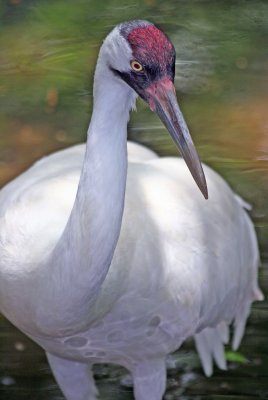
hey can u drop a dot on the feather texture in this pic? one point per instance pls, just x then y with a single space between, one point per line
104 261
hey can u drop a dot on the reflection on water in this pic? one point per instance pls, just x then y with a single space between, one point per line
48 52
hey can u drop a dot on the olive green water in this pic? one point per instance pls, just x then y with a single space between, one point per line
48 51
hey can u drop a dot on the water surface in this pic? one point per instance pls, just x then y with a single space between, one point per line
48 52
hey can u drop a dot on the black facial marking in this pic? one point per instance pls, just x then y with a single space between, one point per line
138 81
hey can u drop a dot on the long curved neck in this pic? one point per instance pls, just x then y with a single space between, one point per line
82 257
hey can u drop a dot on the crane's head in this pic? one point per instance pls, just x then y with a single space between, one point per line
143 57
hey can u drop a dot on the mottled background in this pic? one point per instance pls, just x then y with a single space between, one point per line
48 51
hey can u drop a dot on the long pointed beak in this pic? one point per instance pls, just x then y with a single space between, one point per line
161 97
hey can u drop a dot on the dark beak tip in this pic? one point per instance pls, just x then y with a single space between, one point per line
205 193
202 185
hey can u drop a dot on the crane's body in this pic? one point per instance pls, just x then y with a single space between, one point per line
89 292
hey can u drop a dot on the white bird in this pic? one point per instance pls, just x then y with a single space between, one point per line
180 266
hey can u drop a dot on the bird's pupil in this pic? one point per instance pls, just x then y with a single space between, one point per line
136 66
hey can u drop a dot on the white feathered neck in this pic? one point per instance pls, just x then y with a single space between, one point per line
81 258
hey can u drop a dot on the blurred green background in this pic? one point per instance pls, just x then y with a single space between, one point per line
48 51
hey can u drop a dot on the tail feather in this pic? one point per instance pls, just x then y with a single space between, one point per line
242 315
203 348
218 351
211 340
240 324
210 346
257 294
223 332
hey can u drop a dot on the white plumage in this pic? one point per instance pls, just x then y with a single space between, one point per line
182 266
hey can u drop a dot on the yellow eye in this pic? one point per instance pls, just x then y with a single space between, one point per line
136 66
